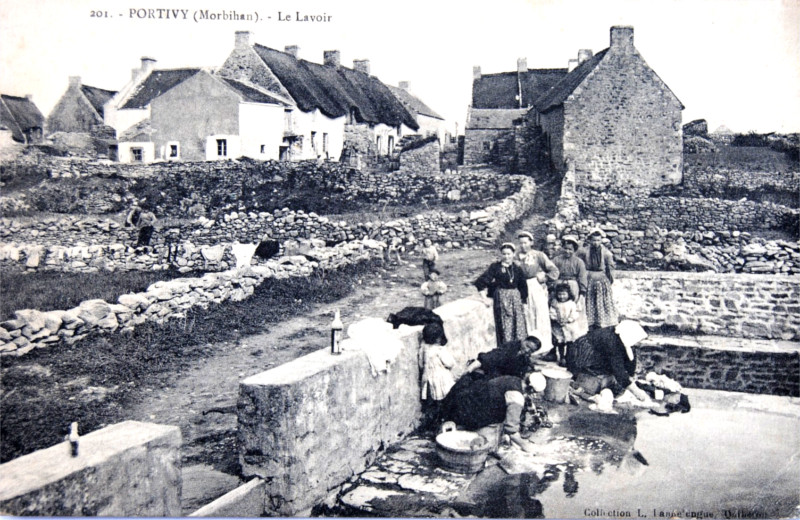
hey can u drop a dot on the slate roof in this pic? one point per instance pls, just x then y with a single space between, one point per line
501 90
19 115
252 94
334 91
413 103
561 90
97 97
156 83
494 118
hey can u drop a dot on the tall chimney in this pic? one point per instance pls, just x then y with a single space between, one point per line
476 72
571 64
293 50
331 58
29 97
522 64
74 81
622 37
148 64
361 66
242 40
584 54
404 85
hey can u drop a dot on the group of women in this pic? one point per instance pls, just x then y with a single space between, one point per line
519 286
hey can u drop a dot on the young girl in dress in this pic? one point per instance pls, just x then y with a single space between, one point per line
435 362
567 325
433 289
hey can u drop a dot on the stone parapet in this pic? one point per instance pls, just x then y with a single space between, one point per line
309 425
127 469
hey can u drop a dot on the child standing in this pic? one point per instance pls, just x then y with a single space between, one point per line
435 362
567 325
433 289
429 257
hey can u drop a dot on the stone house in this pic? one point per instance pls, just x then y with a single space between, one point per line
430 123
192 114
20 117
331 108
80 110
498 101
613 121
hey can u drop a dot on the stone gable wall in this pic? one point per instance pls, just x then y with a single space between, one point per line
622 126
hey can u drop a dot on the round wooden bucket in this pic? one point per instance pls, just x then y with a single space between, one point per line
462 451
557 389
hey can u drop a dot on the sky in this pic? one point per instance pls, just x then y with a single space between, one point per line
732 62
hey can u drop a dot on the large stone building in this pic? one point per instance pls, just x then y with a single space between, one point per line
80 110
611 119
498 101
430 123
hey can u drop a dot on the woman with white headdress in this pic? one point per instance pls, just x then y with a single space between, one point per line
604 358
538 269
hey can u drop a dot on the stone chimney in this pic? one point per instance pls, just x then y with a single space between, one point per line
522 64
242 40
571 64
584 54
476 72
29 97
361 66
332 58
404 85
148 64
622 37
292 50
75 81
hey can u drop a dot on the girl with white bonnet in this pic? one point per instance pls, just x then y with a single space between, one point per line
605 358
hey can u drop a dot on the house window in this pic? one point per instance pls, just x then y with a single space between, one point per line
173 151
263 148
222 147
325 144
487 146
314 142
378 144
391 145
137 154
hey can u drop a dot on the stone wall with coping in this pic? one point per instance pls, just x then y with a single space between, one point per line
309 425
126 469
424 160
743 306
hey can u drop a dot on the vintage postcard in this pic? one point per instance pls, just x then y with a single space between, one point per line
510 259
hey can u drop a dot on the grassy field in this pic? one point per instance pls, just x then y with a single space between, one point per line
47 291
95 380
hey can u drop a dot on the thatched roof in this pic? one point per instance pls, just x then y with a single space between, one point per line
97 97
413 103
335 91
156 83
19 115
502 90
561 91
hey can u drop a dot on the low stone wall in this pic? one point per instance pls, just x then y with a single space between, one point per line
309 425
724 363
86 244
743 306
727 183
424 160
686 214
127 469
170 299
698 250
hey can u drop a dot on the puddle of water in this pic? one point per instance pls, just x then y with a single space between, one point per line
708 463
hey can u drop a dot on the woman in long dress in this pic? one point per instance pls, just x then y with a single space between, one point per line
599 261
505 283
538 269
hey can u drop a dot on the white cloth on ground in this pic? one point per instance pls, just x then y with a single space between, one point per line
662 381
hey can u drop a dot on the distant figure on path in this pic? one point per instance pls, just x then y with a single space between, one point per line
429 257
600 308
505 283
144 220
538 270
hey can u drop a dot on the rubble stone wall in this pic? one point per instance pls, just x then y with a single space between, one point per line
98 482
424 160
744 306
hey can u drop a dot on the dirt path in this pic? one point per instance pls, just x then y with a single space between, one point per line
202 399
